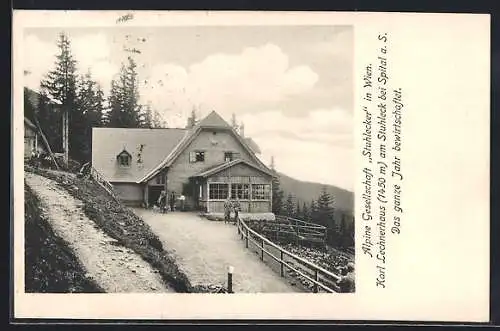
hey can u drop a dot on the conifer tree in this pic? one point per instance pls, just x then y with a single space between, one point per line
91 103
305 212
50 120
124 108
298 213
314 211
60 85
277 192
289 206
325 208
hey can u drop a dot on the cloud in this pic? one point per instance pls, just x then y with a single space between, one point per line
257 78
318 147
257 84
38 57
249 81
331 122
339 45
91 51
310 160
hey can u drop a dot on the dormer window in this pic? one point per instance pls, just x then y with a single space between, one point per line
124 159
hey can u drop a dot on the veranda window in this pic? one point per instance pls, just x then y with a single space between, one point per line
218 191
240 191
261 191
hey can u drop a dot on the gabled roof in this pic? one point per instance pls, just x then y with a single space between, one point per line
33 96
124 151
218 168
148 147
213 120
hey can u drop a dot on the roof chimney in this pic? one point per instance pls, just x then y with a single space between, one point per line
242 130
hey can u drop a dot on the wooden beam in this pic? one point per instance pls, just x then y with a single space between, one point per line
46 142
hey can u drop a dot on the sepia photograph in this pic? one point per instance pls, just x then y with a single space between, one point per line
214 165
189 159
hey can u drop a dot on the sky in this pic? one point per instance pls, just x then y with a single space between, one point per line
291 86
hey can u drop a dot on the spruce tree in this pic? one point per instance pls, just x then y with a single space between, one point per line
60 85
325 208
29 107
314 211
305 212
289 206
91 102
298 213
49 118
277 193
124 108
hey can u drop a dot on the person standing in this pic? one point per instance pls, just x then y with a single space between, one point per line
162 202
172 201
227 210
237 208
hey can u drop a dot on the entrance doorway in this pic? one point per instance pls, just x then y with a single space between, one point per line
154 194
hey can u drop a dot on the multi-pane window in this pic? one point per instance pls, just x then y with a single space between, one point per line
160 179
230 156
197 156
261 191
218 191
240 191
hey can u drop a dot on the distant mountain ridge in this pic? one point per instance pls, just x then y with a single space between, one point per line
306 191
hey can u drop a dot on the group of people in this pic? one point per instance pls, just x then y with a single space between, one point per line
163 201
231 206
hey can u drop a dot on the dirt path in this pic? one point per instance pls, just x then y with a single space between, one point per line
114 267
204 249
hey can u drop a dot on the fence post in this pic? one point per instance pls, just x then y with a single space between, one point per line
316 278
298 232
246 241
262 250
282 273
230 271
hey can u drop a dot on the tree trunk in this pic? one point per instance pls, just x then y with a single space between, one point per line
65 137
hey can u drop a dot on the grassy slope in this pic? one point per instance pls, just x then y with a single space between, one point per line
51 266
122 224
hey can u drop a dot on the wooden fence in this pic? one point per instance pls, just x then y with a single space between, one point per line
305 231
96 175
321 278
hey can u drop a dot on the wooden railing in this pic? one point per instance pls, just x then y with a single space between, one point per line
297 230
322 279
97 176
305 228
